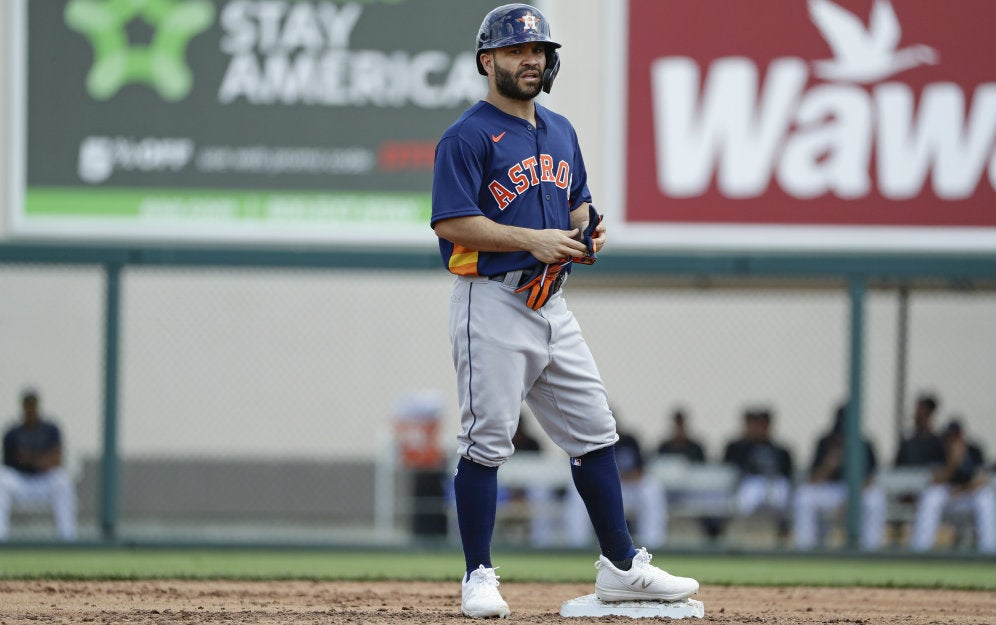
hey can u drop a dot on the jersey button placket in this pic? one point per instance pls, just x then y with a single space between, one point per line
546 196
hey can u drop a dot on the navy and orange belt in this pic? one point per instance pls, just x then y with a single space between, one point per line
514 279
542 282
545 280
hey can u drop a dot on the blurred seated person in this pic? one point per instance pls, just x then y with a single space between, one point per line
643 498
32 471
679 443
539 497
826 491
922 448
960 485
765 468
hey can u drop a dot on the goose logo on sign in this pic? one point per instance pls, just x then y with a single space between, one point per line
892 110
864 54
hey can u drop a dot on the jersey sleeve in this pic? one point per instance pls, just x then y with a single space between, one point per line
456 180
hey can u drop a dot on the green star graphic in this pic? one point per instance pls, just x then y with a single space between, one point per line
162 64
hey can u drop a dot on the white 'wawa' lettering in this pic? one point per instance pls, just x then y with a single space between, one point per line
822 140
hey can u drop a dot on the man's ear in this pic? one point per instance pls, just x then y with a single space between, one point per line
487 59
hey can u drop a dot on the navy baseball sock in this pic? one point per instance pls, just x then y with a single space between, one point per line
476 490
597 480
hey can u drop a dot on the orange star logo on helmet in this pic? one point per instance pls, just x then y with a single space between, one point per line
529 22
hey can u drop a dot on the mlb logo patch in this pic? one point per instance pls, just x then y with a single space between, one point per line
575 462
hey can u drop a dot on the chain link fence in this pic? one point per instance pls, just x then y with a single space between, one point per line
260 404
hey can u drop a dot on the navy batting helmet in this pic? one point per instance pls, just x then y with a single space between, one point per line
512 24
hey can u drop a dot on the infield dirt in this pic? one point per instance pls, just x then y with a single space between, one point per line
165 602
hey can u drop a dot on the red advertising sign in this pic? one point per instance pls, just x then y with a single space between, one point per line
815 112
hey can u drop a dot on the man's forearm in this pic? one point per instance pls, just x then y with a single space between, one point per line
479 233
483 234
579 216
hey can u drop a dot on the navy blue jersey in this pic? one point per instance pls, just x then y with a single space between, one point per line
970 465
497 165
41 438
924 449
629 457
759 458
691 450
834 443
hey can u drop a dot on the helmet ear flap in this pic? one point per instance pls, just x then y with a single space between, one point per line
552 67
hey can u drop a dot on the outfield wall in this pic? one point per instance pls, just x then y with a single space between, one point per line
287 363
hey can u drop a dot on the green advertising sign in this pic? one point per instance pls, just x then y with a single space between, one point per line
219 118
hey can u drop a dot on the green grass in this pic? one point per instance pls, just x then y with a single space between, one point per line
328 564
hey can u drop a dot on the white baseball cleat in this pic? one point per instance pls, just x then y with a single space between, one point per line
642 582
481 598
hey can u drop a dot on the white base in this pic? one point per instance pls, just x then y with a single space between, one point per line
590 605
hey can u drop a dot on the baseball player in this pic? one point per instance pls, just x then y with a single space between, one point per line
32 471
511 208
826 491
961 484
766 469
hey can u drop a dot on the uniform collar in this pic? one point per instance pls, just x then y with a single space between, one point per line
538 110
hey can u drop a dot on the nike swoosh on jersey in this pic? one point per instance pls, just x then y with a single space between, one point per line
497 138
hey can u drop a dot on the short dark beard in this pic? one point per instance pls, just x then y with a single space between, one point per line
507 85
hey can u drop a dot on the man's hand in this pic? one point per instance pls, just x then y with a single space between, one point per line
579 220
589 235
599 237
555 246
40 460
